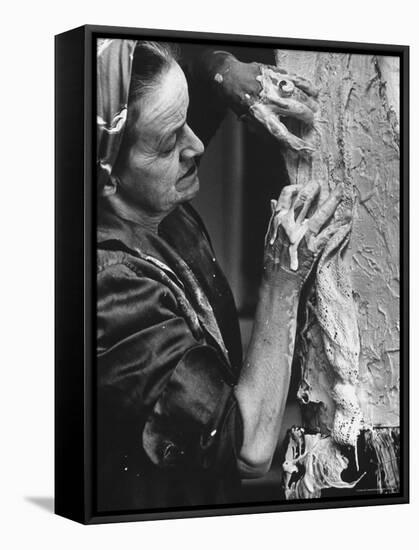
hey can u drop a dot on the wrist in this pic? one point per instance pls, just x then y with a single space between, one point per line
216 62
275 274
278 301
285 280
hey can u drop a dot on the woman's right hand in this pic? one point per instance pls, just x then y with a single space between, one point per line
298 231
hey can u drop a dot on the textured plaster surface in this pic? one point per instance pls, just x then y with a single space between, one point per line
357 139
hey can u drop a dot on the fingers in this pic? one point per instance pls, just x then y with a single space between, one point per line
287 106
265 115
287 196
323 238
303 83
280 209
306 99
318 243
326 210
273 224
269 78
273 205
286 87
305 199
285 96
273 228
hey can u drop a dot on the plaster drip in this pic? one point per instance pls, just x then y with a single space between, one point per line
313 463
385 444
336 314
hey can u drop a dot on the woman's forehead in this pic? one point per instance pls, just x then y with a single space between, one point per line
167 104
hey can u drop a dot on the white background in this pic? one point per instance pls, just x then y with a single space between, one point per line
26 198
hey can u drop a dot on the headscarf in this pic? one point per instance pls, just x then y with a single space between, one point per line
114 64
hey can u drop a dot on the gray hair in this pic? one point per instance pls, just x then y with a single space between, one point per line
151 61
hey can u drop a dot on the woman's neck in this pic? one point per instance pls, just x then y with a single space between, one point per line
134 213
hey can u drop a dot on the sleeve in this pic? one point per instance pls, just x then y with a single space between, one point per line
156 379
207 110
195 421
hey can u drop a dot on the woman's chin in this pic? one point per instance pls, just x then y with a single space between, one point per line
188 186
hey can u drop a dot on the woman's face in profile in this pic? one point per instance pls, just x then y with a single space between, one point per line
160 169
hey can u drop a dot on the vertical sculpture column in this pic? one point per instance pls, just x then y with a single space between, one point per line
357 139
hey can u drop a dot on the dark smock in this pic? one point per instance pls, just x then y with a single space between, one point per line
168 357
169 349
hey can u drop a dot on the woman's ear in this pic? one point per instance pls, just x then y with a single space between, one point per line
110 187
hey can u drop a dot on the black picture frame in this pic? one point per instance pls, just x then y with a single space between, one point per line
75 282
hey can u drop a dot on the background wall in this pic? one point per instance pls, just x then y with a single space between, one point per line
26 398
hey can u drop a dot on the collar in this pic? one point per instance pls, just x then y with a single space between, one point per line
112 227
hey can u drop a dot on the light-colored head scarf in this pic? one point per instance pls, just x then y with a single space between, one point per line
114 64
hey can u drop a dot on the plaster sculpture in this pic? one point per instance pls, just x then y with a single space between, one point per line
348 351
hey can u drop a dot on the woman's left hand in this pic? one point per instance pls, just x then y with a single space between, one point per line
263 94
294 238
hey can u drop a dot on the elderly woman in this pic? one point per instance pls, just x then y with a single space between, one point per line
181 419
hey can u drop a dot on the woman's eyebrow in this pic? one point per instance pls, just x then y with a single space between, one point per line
168 133
178 126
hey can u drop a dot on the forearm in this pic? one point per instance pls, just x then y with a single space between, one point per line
263 385
264 382
207 107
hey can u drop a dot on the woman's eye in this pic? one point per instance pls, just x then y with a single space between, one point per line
169 146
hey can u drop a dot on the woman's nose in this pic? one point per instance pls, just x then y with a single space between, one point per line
193 146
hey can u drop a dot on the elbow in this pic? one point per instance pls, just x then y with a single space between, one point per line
253 467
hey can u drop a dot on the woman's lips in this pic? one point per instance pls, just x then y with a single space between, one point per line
190 172
188 179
